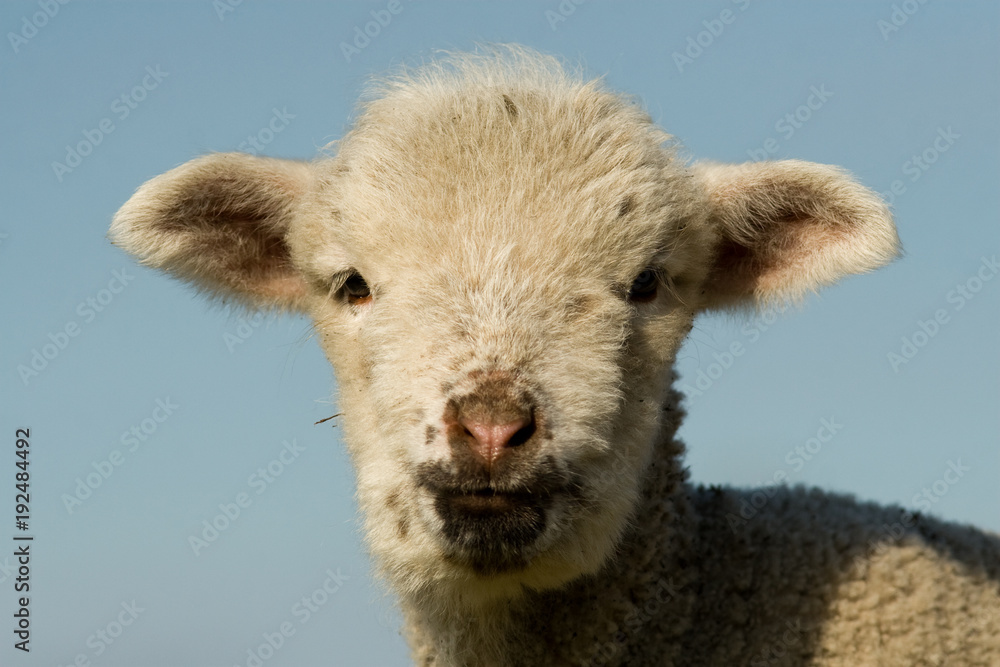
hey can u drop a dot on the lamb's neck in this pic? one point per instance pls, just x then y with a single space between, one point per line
647 578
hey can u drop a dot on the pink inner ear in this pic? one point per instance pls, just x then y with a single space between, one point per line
283 288
789 228
240 258
795 253
783 257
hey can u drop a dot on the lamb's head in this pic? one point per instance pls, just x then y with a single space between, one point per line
501 262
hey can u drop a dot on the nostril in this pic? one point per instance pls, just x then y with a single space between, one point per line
490 440
523 434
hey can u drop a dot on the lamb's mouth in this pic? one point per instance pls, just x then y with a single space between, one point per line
491 521
490 531
488 500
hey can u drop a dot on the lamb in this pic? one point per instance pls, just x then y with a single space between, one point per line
502 259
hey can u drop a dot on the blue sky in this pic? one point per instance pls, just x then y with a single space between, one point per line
173 407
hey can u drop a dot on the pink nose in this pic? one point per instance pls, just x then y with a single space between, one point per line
490 440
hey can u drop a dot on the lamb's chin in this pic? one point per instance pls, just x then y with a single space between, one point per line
465 587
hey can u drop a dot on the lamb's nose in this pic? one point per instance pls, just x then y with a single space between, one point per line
490 441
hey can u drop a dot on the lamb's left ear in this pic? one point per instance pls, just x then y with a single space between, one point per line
790 227
220 222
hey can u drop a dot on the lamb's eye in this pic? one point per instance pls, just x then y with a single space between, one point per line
357 290
643 287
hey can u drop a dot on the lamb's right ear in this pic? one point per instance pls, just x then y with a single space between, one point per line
220 222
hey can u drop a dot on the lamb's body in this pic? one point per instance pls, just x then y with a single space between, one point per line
502 261
810 578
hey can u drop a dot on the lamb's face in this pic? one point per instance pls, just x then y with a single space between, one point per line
501 314
502 262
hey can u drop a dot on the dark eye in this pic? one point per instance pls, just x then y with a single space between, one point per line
357 290
643 287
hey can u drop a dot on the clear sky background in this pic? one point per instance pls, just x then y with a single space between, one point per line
888 89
